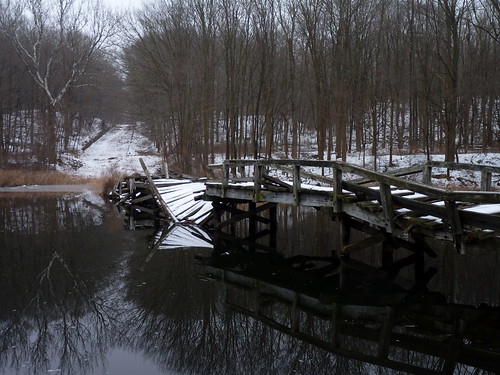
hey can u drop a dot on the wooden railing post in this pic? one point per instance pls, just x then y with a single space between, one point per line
427 174
337 190
455 224
485 180
296 184
257 181
225 178
387 205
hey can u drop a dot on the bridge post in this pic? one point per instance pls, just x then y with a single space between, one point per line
344 231
485 180
455 224
386 201
257 181
273 226
252 224
225 179
427 173
296 184
337 190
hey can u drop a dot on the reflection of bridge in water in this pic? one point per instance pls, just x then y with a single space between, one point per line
369 316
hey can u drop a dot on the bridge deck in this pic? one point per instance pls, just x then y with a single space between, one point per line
398 203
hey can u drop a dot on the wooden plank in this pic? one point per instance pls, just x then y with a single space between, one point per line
225 178
455 224
244 215
124 198
363 244
143 209
258 173
337 190
141 199
131 185
336 325
465 166
427 174
480 220
277 181
387 205
473 196
385 333
455 343
164 234
397 173
312 176
296 185
486 180
156 194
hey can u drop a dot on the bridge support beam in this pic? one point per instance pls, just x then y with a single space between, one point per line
229 213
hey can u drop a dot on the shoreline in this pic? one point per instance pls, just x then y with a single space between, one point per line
71 188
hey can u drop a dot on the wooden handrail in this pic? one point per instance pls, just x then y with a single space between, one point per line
464 166
381 178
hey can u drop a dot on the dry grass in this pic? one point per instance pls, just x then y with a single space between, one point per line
19 177
105 184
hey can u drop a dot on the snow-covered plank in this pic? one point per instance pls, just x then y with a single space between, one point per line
181 199
489 209
183 236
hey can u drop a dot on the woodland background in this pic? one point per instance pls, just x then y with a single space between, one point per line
252 78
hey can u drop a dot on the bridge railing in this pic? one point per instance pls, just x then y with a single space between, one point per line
486 171
254 172
233 167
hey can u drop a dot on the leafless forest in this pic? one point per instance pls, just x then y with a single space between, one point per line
253 78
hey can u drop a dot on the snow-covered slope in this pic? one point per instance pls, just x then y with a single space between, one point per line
118 150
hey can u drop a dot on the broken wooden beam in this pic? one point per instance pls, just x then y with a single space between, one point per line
363 244
156 193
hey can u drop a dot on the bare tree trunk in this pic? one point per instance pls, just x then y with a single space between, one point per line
51 147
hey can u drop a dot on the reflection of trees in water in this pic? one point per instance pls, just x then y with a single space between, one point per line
470 279
40 214
181 323
52 267
31 231
61 318
303 229
69 305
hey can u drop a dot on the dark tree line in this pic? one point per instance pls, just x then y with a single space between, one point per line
250 78
255 78
55 76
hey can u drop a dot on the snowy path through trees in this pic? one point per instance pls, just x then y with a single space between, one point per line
118 151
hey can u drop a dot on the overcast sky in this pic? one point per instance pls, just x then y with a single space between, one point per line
134 4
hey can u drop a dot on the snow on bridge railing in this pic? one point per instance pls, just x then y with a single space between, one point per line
451 200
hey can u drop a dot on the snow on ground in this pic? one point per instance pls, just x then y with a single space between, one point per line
118 150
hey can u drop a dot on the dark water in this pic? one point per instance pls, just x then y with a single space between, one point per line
80 294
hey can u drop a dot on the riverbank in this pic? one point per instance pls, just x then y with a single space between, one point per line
33 181
74 188
27 176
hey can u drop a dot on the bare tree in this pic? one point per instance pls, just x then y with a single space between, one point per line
56 41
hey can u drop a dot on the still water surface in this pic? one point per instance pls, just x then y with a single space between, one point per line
81 294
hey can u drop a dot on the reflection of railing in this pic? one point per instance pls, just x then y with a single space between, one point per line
437 336
390 202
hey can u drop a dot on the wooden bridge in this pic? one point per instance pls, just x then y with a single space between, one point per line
402 206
